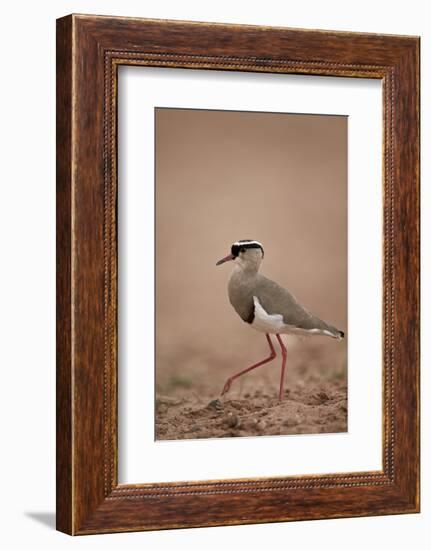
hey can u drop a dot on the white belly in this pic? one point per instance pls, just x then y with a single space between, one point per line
274 324
263 322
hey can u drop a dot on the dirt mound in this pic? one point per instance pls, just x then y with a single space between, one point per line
319 408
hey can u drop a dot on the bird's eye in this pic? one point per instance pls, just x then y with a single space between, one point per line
242 249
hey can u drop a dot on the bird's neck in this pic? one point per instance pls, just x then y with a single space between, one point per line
245 269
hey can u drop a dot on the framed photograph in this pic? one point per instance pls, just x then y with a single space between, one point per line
237 274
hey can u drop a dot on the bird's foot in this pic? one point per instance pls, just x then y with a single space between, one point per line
227 386
283 394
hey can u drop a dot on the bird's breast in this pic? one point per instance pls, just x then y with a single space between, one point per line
240 291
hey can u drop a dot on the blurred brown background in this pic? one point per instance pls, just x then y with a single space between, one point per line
222 176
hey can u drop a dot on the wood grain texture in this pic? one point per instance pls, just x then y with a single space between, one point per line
64 497
90 49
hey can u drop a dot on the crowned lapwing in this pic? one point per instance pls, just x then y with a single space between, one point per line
266 306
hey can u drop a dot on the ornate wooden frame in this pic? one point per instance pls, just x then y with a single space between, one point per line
89 51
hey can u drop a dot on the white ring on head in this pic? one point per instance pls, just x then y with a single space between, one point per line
243 243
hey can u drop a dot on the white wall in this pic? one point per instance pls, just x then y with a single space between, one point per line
27 314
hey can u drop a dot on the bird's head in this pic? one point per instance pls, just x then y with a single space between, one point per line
248 254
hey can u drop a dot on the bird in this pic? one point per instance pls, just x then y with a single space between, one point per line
267 307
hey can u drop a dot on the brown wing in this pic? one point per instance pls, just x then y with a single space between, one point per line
277 300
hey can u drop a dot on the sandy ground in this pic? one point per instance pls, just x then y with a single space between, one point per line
190 406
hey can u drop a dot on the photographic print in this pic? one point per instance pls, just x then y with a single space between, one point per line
251 273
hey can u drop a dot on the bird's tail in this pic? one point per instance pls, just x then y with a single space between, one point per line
334 333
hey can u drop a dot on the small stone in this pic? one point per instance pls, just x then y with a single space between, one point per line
215 404
323 396
195 428
261 425
233 421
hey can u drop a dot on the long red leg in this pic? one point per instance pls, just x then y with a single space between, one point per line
273 355
283 366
